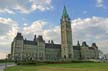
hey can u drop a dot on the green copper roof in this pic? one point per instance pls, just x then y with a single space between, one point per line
65 14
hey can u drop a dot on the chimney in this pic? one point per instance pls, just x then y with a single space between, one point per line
52 42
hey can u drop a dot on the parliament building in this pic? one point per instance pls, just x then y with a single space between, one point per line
40 51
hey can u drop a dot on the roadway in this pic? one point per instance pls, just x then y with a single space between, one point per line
3 65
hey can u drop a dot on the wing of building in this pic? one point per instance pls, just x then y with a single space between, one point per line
38 50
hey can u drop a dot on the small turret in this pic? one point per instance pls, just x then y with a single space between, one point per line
84 44
94 45
78 44
52 42
40 38
48 41
19 36
35 37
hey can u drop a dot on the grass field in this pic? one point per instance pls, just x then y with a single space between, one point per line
62 67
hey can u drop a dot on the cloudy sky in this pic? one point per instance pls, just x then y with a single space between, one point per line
42 17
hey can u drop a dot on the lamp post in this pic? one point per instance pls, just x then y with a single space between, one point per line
6 62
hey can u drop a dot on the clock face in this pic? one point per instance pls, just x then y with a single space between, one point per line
63 26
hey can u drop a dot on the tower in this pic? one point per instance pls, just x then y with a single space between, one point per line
17 47
66 37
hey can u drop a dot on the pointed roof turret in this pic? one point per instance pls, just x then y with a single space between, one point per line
19 36
78 44
35 37
65 14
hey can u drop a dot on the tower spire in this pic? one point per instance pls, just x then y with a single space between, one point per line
65 14
66 36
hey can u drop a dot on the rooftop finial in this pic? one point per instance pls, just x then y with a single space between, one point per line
78 44
65 14
35 37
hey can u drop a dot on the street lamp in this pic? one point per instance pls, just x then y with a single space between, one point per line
6 62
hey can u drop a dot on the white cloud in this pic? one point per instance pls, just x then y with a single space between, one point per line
102 4
8 30
92 29
8 27
7 11
103 45
25 24
35 27
2 55
99 3
41 4
24 6
52 34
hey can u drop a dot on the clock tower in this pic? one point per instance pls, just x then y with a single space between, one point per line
66 37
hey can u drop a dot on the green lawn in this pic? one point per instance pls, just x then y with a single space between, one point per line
62 67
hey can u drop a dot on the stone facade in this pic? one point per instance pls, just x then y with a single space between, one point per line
66 37
38 50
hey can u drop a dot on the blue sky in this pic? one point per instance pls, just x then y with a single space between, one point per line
89 21
76 9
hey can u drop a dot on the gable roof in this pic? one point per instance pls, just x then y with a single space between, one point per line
54 46
30 42
76 47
